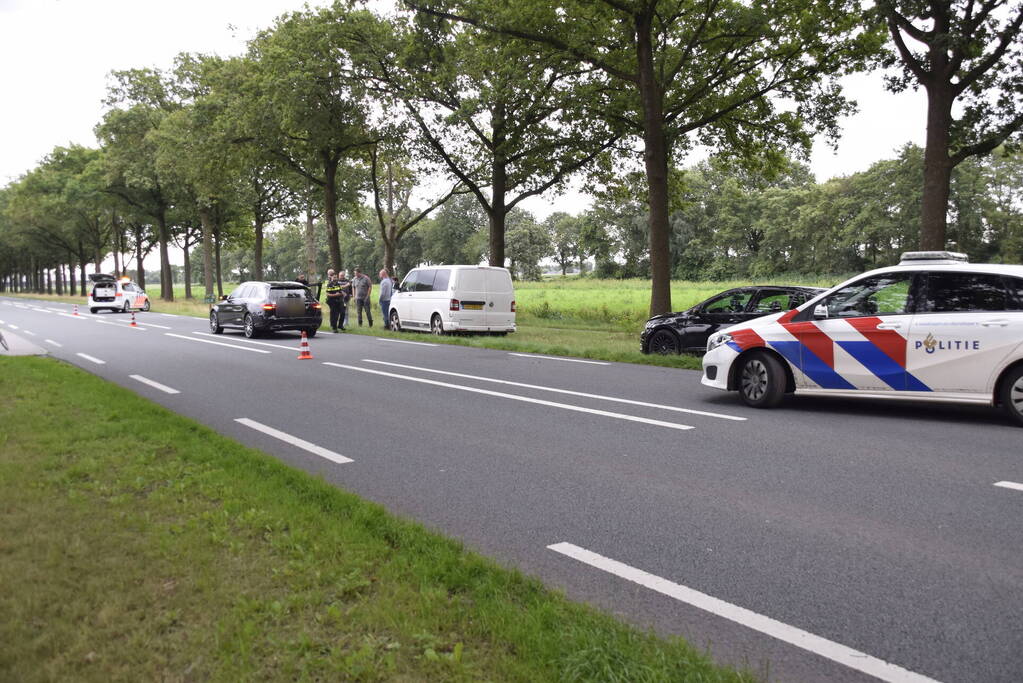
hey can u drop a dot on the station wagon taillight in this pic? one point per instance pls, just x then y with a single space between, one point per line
269 307
455 305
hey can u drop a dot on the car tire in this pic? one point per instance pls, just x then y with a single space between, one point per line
126 308
249 326
310 332
436 325
1011 394
664 342
93 310
215 326
761 380
145 306
395 321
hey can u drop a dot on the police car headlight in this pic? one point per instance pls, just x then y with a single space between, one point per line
717 340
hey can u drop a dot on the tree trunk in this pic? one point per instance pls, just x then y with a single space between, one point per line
49 281
140 275
499 189
330 209
257 256
71 275
937 168
207 251
115 235
85 279
187 270
166 281
216 258
655 157
310 244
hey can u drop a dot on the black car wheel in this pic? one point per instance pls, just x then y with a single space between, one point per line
250 327
761 380
664 342
215 326
436 325
1011 394
395 321
311 332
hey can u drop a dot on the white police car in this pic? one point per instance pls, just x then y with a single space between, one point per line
934 327
116 294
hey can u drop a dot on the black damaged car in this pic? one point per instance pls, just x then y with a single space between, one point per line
258 307
687 331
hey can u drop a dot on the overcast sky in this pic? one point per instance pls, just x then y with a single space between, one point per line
56 55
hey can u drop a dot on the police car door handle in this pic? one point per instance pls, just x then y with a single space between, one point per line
889 326
995 323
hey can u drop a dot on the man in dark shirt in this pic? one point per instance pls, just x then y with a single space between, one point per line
346 295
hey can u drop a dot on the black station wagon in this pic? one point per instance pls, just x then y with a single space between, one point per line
687 331
258 307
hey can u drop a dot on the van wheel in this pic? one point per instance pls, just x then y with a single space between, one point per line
436 325
395 321
761 381
1011 394
215 326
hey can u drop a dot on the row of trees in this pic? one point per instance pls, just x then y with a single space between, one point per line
494 103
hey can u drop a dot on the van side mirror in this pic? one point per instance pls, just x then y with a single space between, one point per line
820 312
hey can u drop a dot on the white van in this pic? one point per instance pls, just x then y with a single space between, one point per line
454 299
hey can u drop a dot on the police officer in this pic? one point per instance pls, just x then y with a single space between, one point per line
334 300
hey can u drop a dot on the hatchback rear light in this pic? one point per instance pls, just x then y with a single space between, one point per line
118 294
456 305
269 307
513 306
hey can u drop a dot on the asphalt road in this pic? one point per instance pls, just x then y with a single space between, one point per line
829 540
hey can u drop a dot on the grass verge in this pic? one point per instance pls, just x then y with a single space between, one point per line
136 544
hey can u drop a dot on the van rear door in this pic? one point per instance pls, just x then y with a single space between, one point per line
470 288
500 295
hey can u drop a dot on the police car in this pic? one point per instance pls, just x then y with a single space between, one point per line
116 294
934 327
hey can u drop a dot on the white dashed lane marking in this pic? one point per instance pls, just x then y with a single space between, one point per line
1009 485
249 341
57 344
516 397
836 652
567 360
97 361
156 385
215 343
294 441
560 391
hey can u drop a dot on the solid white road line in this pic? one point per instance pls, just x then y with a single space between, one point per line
516 397
1009 485
560 391
207 341
249 341
42 310
402 341
836 652
294 441
156 385
567 360
97 361
57 344
56 310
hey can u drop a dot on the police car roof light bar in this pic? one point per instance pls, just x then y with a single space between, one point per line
916 257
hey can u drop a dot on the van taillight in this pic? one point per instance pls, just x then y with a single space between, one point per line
455 305
513 306
269 307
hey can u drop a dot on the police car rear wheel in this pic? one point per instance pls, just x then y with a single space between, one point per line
215 326
1012 394
761 381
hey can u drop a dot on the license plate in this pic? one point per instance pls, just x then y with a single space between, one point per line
472 307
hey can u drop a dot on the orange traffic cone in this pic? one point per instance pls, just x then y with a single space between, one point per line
76 310
304 347
133 323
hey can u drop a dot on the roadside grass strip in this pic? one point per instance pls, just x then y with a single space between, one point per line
829 649
516 397
568 392
140 545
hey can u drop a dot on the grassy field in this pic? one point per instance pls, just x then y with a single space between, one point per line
583 317
136 544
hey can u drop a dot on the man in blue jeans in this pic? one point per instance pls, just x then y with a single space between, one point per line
385 297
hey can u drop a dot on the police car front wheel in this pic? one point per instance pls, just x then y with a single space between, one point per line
1012 394
761 380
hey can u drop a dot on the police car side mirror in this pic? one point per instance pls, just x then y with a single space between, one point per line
820 312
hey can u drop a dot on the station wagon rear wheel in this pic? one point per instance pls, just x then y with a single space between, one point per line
250 327
1011 394
664 342
761 380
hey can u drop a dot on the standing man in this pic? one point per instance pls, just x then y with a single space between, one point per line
361 287
386 287
334 299
346 296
